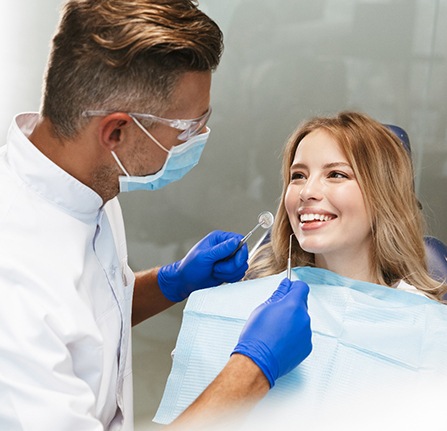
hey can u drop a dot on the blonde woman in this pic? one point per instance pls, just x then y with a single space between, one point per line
349 206
349 200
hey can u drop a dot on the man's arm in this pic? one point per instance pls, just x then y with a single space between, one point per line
274 340
205 265
238 387
148 299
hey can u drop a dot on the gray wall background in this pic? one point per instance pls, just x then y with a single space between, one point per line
284 61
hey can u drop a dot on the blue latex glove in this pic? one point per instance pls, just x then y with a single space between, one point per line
204 266
277 335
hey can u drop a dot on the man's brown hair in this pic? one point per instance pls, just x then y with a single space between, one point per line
124 55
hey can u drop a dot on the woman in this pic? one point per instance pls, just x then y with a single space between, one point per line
349 204
349 200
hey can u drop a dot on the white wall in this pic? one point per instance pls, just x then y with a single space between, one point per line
284 61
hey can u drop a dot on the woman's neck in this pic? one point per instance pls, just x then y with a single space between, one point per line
356 266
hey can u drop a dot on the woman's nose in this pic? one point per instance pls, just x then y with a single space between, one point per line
312 189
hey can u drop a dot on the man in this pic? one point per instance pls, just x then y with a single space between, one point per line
120 75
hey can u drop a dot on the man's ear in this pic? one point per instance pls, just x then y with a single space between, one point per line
113 129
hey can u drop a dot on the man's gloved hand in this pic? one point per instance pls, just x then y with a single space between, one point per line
204 266
277 335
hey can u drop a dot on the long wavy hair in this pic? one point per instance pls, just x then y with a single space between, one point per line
384 173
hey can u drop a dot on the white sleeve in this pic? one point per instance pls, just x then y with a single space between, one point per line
39 388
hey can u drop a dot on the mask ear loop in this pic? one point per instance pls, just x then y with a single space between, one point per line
147 133
117 160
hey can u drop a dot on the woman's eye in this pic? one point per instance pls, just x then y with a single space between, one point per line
296 176
336 174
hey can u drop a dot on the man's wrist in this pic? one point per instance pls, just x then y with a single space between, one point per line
237 388
250 374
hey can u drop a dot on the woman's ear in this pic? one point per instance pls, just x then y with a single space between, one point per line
113 130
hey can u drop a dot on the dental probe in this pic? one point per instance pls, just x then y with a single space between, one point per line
265 220
289 260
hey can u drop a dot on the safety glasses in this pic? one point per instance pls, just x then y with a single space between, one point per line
189 128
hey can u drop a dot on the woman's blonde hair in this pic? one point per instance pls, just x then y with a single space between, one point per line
124 55
384 172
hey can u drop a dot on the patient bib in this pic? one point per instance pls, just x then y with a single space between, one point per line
368 340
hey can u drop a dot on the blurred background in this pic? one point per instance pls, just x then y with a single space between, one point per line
284 62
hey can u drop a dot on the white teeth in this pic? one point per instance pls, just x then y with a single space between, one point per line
313 217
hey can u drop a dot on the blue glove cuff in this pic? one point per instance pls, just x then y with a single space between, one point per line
262 356
168 285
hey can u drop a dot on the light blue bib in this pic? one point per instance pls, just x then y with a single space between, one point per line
365 337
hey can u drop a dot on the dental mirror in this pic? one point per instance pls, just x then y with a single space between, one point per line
265 220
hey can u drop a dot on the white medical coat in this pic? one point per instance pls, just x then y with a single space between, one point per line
66 294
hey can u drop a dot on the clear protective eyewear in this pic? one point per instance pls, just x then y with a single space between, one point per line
189 128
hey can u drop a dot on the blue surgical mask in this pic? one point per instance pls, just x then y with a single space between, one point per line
181 159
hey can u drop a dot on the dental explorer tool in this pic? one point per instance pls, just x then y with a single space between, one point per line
289 260
265 220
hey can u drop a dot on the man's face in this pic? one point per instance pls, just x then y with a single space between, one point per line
190 99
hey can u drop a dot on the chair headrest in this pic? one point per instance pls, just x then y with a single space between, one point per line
402 135
436 252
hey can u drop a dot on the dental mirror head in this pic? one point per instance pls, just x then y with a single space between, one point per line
265 219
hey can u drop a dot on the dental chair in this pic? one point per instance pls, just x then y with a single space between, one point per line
435 249
436 253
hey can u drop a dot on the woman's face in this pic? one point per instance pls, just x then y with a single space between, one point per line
324 203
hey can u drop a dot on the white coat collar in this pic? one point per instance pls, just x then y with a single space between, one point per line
46 178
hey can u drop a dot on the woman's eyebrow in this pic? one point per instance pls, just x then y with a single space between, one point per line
336 165
326 166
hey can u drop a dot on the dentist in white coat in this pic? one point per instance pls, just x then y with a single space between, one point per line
125 106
